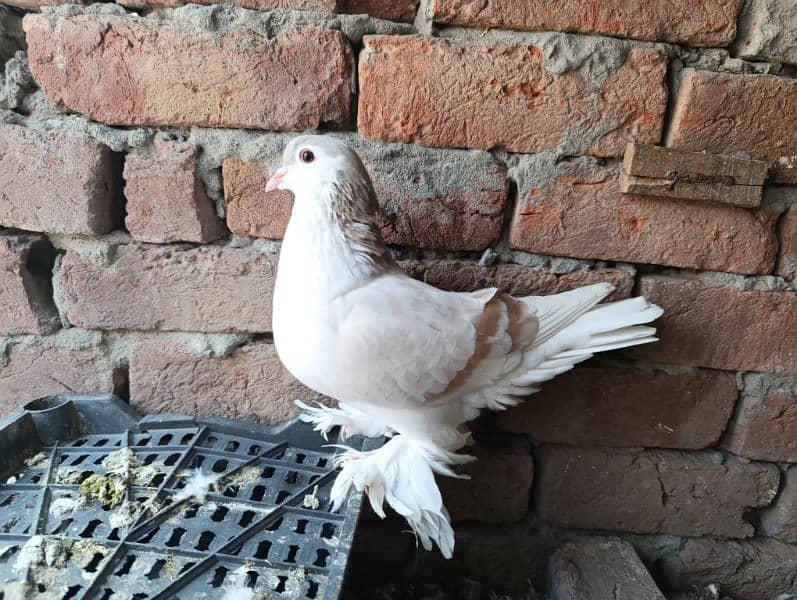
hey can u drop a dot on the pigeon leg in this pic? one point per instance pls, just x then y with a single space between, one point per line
401 473
350 420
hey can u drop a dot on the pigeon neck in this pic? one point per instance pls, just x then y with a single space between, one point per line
341 241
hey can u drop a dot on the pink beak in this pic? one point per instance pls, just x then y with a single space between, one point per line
276 179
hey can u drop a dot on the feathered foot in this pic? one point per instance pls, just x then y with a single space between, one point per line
350 420
402 473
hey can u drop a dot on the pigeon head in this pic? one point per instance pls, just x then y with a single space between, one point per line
311 162
331 186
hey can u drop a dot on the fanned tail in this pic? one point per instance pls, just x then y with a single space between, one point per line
401 473
598 329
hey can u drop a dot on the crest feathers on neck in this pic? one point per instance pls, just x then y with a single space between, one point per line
355 208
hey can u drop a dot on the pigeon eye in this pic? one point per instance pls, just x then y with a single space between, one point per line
306 156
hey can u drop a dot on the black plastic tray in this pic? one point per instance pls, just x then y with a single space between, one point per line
264 529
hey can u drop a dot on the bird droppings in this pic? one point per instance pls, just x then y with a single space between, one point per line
109 490
246 476
42 560
125 515
295 584
123 468
69 476
311 500
237 588
66 505
170 567
36 460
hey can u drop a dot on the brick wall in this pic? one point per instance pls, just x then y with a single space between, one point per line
138 246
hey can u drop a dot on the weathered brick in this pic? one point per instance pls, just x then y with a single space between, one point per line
248 384
751 114
787 254
598 568
721 327
765 424
26 304
518 280
57 181
70 361
597 404
166 200
499 487
780 520
35 4
505 97
174 72
648 491
314 5
438 200
575 208
758 569
768 31
251 210
428 198
401 10
395 10
209 289
703 23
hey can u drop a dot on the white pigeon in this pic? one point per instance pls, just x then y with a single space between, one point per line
401 357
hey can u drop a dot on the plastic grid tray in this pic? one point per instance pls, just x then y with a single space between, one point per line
265 528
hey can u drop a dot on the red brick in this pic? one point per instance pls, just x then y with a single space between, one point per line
128 70
780 521
428 198
648 491
787 255
751 114
505 97
26 304
721 327
600 405
438 200
577 210
249 384
251 210
394 10
56 181
209 289
765 424
599 568
314 5
401 10
465 276
703 23
499 487
166 200
71 361
35 4
758 569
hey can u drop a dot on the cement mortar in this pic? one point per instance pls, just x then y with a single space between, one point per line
223 18
16 82
767 30
117 345
755 386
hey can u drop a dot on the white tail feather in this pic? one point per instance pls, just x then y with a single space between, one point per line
598 329
401 473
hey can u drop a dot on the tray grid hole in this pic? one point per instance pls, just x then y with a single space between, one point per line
219 575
